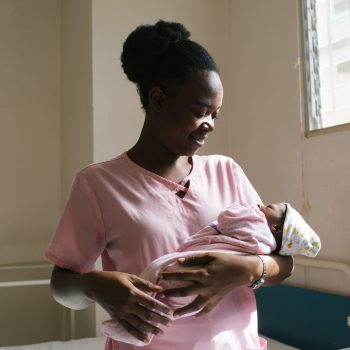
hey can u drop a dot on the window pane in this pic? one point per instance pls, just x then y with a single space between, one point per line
329 22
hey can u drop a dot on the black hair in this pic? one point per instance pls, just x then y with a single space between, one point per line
159 53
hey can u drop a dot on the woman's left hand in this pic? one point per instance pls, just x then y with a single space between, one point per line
213 275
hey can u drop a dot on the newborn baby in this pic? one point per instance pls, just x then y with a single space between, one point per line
238 230
242 229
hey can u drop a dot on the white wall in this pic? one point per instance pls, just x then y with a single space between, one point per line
264 99
76 90
30 189
267 132
29 127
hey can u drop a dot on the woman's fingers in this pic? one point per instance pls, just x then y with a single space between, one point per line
186 275
134 331
151 317
196 305
145 285
196 260
184 291
151 303
142 326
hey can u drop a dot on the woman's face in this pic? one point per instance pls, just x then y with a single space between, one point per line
187 116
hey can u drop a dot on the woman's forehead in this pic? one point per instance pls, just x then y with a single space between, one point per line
202 88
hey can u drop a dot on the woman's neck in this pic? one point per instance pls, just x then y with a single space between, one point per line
160 161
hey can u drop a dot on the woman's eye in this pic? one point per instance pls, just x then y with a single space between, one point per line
200 115
215 115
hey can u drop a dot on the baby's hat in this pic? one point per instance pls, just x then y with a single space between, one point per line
298 237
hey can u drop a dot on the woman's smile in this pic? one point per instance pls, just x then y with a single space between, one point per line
199 140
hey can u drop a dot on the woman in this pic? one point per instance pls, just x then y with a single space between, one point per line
144 203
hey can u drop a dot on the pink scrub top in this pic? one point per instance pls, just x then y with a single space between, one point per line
130 216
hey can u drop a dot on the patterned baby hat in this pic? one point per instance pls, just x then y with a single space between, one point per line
298 237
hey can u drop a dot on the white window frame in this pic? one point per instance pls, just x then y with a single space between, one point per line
313 107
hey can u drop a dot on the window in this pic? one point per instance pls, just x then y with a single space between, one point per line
326 28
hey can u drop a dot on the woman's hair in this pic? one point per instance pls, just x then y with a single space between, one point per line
160 53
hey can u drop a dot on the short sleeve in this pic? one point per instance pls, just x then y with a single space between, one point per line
80 235
246 192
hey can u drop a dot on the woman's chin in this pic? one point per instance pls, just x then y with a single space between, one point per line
192 150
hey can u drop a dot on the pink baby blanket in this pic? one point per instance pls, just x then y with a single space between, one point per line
238 230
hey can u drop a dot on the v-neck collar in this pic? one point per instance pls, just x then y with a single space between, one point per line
173 186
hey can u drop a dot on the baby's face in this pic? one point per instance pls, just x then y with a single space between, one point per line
274 213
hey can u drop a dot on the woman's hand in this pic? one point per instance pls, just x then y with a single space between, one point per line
124 297
215 274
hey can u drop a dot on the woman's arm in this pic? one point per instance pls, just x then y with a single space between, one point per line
278 268
216 274
70 288
122 295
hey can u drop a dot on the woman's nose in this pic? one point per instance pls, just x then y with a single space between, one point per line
208 123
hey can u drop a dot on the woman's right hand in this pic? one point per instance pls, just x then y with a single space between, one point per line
124 297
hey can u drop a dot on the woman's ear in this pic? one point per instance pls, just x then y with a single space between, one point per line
156 98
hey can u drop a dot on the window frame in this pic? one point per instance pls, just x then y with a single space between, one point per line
311 87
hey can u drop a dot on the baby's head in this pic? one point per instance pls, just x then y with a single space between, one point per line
275 215
293 235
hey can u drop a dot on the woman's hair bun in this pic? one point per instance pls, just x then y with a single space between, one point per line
172 31
146 44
